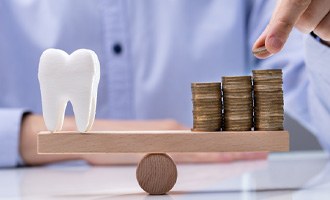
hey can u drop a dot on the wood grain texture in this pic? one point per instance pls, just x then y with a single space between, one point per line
161 141
156 173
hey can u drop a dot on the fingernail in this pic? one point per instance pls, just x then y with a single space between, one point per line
275 43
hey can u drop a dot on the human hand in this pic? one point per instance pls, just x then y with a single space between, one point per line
305 15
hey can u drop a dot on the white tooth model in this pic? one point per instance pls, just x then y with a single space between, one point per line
73 78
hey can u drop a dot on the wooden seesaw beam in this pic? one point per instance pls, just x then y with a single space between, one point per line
157 173
161 141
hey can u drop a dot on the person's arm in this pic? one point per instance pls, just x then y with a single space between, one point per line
32 124
306 83
317 57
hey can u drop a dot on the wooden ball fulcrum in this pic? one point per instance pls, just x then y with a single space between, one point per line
156 173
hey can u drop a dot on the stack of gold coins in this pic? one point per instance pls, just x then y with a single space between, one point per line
238 104
207 106
268 100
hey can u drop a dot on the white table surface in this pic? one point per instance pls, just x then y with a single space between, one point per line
304 175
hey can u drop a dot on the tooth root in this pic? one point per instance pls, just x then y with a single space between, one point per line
82 112
53 112
92 114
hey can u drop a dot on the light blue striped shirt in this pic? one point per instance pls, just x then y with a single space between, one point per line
150 51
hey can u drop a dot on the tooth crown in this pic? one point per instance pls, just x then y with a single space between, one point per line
73 78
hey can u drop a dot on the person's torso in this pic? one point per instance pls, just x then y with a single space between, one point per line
150 51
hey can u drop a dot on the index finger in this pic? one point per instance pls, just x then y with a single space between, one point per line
286 14
284 18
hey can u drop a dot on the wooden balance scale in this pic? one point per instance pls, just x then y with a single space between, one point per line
157 172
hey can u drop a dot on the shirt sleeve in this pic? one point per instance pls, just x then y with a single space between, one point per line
317 58
10 136
305 65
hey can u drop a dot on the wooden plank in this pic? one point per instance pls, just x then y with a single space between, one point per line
161 141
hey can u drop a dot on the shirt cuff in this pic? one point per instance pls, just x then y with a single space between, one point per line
10 128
